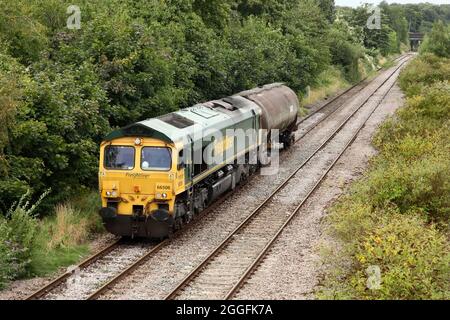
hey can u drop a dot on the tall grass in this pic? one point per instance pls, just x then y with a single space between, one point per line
18 232
30 247
329 82
63 237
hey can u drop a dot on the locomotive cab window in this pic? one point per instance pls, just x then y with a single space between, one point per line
156 159
119 158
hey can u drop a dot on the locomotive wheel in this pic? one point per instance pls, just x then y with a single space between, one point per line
187 218
178 224
170 232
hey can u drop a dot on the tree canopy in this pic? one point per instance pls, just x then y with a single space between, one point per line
63 90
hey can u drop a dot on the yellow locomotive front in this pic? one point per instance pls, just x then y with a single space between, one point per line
137 181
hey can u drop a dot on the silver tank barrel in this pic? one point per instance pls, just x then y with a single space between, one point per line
279 105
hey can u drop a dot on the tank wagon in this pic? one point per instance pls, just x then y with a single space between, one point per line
157 174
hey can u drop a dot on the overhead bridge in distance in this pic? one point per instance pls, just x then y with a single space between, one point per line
415 39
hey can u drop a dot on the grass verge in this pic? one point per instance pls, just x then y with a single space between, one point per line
334 79
392 226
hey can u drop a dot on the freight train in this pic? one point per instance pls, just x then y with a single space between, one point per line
156 175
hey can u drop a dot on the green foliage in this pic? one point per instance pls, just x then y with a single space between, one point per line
328 8
18 231
427 68
422 16
437 41
412 256
376 40
398 22
397 216
345 50
64 90
29 246
25 36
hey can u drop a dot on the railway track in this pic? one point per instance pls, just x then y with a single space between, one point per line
58 281
111 282
224 271
149 252
335 103
129 267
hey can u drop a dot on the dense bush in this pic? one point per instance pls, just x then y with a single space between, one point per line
397 217
18 231
412 255
437 41
345 49
428 68
65 89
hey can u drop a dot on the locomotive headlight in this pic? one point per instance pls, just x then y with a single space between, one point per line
161 196
111 194
138 141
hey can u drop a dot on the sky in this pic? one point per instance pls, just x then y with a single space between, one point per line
355 3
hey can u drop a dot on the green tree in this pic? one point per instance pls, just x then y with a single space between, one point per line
377 40
328 8
438 40
24 35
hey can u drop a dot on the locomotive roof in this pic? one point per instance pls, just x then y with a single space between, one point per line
192 121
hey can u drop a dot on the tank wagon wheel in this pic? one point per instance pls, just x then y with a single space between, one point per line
244 178
291 141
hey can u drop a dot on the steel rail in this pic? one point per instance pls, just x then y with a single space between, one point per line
255 212
128 270
301 120
334 100
108 285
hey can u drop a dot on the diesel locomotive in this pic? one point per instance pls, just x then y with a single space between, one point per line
156 175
